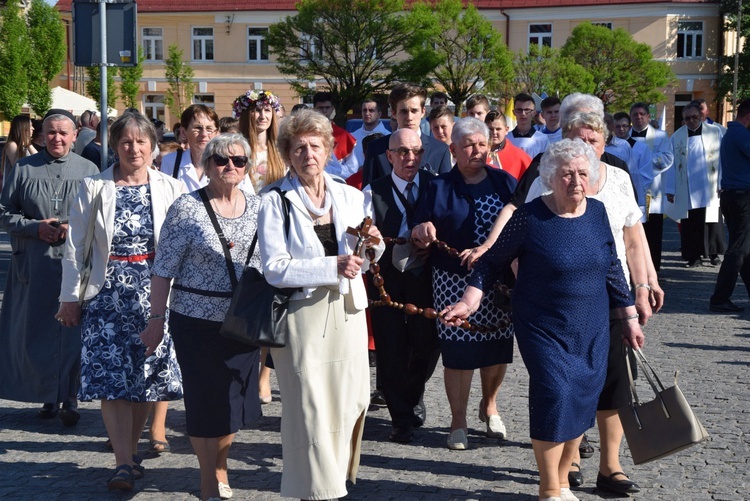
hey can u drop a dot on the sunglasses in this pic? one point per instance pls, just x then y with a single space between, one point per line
237 161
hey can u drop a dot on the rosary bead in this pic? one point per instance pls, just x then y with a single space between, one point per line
378 281
430 313
374 268
410 309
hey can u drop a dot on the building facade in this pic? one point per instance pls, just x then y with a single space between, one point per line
224 42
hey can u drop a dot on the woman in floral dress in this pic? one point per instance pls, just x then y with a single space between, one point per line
116 366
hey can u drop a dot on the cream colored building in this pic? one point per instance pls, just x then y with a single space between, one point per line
224 43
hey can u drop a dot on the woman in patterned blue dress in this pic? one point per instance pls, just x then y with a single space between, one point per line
569 278
116 367
459 208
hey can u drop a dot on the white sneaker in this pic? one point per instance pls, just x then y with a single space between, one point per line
225 492
496 427
457 440
567 495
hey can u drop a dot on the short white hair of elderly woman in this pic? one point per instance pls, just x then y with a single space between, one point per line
562 153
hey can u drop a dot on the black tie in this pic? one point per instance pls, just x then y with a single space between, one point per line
409 192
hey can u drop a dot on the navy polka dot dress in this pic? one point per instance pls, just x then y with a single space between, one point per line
568 279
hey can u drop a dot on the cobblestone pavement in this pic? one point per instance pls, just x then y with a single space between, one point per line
43 460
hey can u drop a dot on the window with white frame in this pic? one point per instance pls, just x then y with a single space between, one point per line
605 24
153 106
689 39
540 35
204 99
153 44
311 48
257 45
203 44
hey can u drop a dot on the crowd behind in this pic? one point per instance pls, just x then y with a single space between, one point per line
124 265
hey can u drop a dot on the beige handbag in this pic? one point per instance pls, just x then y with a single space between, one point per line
88 246
663 426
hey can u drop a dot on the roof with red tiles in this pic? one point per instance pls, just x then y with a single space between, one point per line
288 5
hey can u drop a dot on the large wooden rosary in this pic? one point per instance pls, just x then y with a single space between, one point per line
363 236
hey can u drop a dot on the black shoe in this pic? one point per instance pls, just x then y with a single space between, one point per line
725 307
48 411
69 414
584 448
575 478
377 398
401 435
694 263
716 260
420 414
610 484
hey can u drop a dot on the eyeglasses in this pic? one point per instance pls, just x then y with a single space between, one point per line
199 130
237 161
402 152
524 111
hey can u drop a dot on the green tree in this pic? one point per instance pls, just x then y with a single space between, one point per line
130 81
47 39
15 52
356 46
93 86
624 70
180 79
725 82
470 54
545 70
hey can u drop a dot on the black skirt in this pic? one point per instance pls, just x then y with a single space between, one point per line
219 377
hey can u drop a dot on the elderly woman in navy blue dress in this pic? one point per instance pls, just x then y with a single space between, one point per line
459 208
569 282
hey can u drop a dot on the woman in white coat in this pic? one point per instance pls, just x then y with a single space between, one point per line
128 203
323 372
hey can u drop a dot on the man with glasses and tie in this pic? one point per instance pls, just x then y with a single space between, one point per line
406 345
525 136
692 188
407 104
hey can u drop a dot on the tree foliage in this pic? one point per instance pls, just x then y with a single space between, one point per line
356 46
467 52
47 41
725 83
130 81
624 70
180 79
93 86
15 52
546 70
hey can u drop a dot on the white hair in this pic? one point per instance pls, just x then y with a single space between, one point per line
468 127
562 153
579 102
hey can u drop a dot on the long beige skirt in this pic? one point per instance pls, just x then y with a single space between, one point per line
324 379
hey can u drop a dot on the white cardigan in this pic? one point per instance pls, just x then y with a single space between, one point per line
164 191
300 260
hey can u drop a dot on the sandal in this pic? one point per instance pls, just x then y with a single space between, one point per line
585 448
159 446
122 480
138 469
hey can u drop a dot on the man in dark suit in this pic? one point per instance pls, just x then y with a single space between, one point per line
406 345
407 106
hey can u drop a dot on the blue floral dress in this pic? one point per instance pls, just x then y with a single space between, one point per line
113 361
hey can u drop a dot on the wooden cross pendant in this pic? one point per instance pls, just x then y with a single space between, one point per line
363 235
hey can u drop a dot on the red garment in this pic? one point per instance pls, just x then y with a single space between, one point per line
344 142
511 159
355 180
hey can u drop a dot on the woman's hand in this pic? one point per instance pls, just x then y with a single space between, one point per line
152 335
656 296
349 266
632 335
470 256
643 304
455 314
69 314
424 234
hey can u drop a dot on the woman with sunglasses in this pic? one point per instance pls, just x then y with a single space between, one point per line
191 262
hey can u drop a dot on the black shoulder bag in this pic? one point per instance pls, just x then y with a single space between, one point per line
257 315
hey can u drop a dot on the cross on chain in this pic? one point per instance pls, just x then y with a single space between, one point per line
363 235
56 198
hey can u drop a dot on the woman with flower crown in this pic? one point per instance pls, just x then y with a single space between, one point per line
256 110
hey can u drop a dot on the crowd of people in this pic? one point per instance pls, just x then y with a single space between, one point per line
124 265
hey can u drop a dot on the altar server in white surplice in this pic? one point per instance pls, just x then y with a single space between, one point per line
692 188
